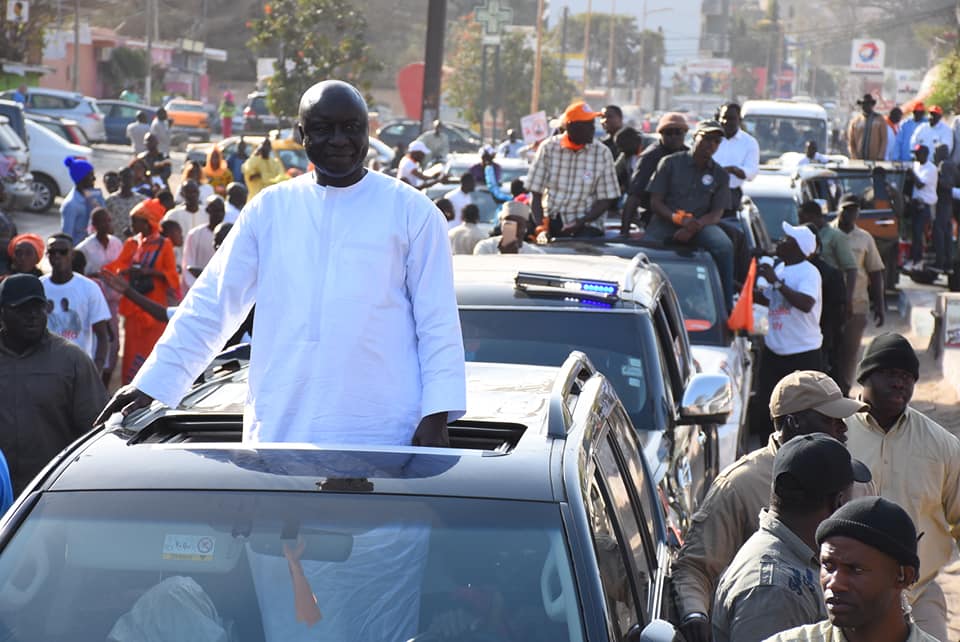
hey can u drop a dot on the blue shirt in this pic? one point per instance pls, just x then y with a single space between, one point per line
490 178
6 487
75 213
902 151
19 97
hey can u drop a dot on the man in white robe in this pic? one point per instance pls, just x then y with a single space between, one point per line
357 335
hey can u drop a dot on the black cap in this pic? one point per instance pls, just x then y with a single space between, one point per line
20 288
877 522
818 464
849 199
867 98
888 350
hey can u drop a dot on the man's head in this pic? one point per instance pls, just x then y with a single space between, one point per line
867 103
141 116
25 252
580 122
215 210
730 119
467 183
672 129
111 181
23 309
60 255
165 198
191 195
161 114
706 139
611 119
145 217
919 111
810 150
418 150
921 153
237 195
629 141
868 557
797 243
849 211
807 401
81 172
936 113
193 170
335 129
512 135
812 476
151 142
471 213
437 126
517 212
516 187
888 372
446 207
220 234
172 230
895 115
810 212
100 219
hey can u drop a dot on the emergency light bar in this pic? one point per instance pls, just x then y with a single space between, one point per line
597 290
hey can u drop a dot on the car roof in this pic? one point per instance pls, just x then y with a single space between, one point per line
501 397
184 101
114 101
788 108
59 92
770 184
491 279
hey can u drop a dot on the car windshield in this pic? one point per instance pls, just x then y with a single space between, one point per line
779 134
698 300
547 337
211 566
775 210
294 158
864 187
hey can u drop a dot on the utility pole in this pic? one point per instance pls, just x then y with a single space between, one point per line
148 81
586 44
433 63
535 93
75 67
611 70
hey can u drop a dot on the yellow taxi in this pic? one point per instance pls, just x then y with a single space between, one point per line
188 119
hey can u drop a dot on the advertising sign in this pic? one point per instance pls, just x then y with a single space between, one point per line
867 55
534 127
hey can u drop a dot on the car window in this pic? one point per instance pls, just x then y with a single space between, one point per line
699 301
546 338
185 107
380 567
623 605
127 112
629 451
57 129
42 101
92 107
622 500
671 352
775 210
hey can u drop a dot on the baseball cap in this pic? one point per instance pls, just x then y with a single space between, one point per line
920 146
936 109
811 390
818 464
672 119
20 288
919 106
418 146
849 199
708 127
579 112
802 235
487 149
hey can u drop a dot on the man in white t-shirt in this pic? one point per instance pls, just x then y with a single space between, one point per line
187 216
80 311
198 247
100 248
408 170
794 298
738 155
460 197
924 199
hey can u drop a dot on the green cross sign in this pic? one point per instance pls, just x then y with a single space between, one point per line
494 17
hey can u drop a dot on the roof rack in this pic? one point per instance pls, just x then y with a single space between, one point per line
638 261
574 372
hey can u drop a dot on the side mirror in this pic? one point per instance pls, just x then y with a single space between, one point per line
708 399
656 631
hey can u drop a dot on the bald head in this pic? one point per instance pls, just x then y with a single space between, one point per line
334 128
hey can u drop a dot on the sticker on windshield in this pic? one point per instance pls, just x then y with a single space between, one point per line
631 371
633 382
701 273
195 548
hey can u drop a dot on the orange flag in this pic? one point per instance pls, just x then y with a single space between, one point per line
742 316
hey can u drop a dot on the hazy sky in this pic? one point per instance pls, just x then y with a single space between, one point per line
681 23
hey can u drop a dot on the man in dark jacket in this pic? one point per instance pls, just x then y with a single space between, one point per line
672 128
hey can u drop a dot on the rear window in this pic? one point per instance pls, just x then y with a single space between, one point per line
774 211
546 338
211 566
185 107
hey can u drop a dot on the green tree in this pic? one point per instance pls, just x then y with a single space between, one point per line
313 40
125 67
946 88
512 93
628 46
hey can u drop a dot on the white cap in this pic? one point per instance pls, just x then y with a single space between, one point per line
487 149
418 146
803 236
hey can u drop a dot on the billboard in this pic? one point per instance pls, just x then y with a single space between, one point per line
706 76
866 55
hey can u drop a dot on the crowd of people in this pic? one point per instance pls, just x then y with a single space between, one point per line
812 536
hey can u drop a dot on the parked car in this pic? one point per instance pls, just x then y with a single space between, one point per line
67 129
51 178
188 119
257 118
541 502
458 164
15 174
117 114
624 315
66 104
403 131
288 151
777 196
14 113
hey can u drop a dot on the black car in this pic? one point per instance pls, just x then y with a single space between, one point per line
624 314
539 522
257 117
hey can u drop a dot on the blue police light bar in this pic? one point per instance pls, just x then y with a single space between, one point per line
597 290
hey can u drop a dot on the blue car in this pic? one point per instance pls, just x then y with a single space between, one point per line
117 115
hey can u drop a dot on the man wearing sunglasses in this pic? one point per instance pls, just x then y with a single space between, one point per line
672 129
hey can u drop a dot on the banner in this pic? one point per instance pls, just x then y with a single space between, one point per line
534 127
867 55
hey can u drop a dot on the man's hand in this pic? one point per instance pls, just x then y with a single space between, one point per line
767 272
683 235
432 431
696 630
129 399
878 314
112 281
736 171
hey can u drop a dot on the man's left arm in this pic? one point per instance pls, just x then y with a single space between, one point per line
429 281
101 330
951 485
751 161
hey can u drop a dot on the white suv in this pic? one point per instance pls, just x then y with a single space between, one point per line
69 104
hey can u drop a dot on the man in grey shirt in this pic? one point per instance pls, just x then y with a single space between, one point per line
773 582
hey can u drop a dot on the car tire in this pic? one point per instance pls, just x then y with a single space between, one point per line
44 192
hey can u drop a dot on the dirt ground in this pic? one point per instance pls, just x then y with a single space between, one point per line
937 398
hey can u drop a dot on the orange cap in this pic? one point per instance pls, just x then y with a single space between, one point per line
936 109
579 112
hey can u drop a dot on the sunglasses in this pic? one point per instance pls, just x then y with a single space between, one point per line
56 252
673 132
